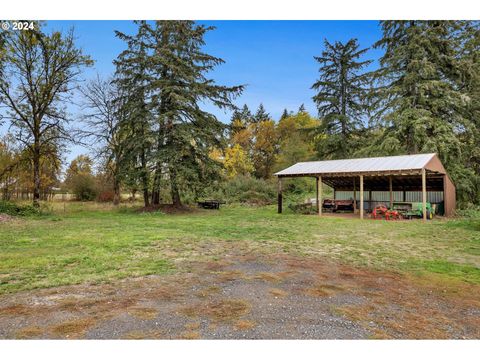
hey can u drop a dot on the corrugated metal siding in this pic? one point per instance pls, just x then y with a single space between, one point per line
433 197
383 197
386 163
376 195
347 195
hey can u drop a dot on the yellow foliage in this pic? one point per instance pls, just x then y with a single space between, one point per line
237 161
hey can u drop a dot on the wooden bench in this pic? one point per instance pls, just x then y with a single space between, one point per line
210 204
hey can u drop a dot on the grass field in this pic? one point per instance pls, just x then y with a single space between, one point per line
91 243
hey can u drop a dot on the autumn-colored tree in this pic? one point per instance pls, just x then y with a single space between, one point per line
296 142
264 148
237 162
38 72
80 179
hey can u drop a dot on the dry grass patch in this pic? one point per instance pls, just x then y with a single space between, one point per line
277 292
190 335
216 265
227 309
143 313
29 332
192 326
226 276
268 276
143 335
16 310
164 292
206 292
244 325
222 310
73 328
323 290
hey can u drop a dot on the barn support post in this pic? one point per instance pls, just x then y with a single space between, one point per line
354 196
279 200
390 183
361 196
319 195
370 205
424 194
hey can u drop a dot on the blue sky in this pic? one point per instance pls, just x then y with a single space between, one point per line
273 58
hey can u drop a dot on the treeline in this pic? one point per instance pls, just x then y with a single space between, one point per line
152 136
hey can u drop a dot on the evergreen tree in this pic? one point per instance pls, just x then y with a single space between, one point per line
341 98
239 121
243 114
302 109
261 114
469 59
421 102
416 98
285 114
185 133
133 78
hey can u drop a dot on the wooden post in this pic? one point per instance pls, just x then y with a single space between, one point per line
319 195
391 191
361 196
424 194
279 200
370 205
318 199
354 196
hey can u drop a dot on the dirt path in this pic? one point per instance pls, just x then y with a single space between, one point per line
247 297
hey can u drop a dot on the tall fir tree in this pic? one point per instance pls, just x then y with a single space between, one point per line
133 78
261 114
185 132
285 114
421 102
341 99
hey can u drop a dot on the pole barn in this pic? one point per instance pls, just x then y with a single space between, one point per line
412 178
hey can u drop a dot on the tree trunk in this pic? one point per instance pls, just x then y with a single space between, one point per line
116 191
156 187
146 199
174 188
36 175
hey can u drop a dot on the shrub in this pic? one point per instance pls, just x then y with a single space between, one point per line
105 196
83 187
247 189
13 209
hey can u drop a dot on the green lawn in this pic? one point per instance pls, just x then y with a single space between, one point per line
93 243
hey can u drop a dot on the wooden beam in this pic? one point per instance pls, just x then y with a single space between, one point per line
370 200
361 196
319 194
280 199
318 199
424 194
354 196
391 191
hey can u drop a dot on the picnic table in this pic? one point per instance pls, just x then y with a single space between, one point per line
210 204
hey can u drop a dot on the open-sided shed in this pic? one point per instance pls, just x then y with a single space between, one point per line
387 179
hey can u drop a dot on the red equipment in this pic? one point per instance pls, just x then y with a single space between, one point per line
382 211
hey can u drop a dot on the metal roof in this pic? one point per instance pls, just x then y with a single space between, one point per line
386 163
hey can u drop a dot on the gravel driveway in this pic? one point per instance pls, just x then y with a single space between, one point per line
248 297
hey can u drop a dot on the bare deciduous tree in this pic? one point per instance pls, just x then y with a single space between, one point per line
103 120
38 73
